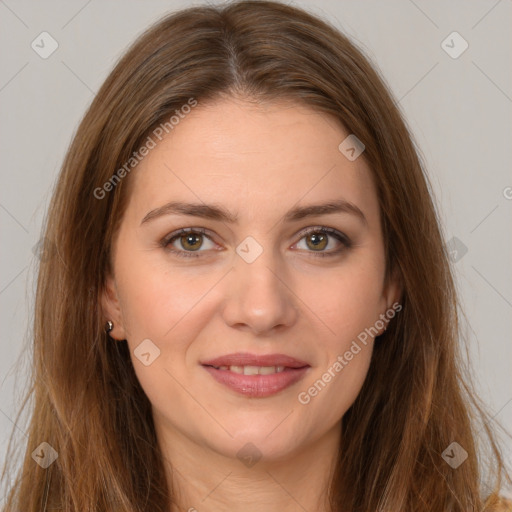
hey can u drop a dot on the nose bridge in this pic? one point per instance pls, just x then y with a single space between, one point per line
258 296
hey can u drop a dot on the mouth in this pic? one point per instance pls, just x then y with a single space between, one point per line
256 376
251 370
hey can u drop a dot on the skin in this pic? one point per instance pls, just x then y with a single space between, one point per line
257 160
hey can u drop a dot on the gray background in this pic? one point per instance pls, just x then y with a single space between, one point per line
458 109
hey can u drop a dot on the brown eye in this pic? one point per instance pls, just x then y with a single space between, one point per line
191 241
188 242
317 241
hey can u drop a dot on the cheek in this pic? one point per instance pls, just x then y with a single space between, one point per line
349 299
155 299
349 308
335 388
167 309
349 303
171 309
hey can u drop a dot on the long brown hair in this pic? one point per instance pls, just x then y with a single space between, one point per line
88 404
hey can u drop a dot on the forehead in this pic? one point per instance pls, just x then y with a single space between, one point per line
252 157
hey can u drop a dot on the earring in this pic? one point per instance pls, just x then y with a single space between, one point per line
109 326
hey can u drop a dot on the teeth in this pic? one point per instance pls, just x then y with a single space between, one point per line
267 370
252 370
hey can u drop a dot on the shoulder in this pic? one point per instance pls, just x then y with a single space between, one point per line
498 504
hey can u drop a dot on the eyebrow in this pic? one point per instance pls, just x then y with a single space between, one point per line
219 213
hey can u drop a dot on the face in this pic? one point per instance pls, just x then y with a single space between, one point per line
235 325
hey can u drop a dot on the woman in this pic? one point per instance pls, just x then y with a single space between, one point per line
248 304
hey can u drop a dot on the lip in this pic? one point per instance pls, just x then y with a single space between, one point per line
257 386
247 359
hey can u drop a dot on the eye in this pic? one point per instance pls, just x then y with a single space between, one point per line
318 238
187 241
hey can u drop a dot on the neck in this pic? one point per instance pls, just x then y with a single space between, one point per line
203 480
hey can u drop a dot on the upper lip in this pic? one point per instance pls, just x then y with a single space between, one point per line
246 359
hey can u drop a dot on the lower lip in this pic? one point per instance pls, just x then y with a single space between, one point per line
257 386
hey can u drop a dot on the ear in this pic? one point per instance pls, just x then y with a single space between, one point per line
111 308
391 298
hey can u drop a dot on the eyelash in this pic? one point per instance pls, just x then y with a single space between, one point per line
345 241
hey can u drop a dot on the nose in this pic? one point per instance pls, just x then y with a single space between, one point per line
258 297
